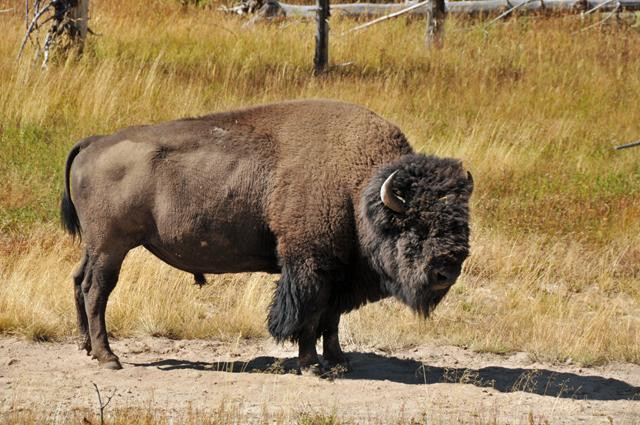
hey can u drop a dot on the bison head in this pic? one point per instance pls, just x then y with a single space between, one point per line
414 227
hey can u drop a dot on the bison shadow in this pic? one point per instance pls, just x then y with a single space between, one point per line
406 371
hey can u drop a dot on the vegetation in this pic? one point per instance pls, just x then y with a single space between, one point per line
232 415
532 108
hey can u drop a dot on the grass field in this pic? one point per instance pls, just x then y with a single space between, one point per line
532 108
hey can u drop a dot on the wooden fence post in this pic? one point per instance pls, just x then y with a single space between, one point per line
435 23
321 58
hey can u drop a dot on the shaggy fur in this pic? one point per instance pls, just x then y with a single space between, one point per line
290 188
433 234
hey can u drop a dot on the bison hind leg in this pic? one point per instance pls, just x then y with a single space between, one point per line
82 272
100 280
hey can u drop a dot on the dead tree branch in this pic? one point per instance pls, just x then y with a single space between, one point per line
103 405
507 12
593 9
603 20
66 18
33 25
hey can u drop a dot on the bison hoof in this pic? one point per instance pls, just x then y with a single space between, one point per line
85 345
340 367
111 364
315 369
337 361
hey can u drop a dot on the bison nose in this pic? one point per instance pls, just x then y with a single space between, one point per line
444 277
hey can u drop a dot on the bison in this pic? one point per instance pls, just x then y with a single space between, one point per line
325 193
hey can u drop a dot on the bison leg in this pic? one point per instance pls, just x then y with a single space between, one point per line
331 351
96 290
308 359
83 330
298 304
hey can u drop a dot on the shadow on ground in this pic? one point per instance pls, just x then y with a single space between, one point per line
369 366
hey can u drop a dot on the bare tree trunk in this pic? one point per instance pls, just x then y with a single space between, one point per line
321 59
79 15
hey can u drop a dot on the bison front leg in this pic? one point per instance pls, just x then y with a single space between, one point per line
308 359
331 350
298 304
102 278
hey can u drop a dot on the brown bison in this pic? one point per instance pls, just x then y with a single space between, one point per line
327 194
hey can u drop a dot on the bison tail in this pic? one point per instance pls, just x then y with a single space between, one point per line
70 221
68 214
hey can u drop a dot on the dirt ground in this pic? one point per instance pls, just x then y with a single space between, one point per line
441 384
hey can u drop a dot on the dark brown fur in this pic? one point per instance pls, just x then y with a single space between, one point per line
286 188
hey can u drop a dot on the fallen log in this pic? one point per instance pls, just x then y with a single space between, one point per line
389 16
465 7
628 145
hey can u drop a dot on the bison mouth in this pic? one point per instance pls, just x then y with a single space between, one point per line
443 277
429 301
428 294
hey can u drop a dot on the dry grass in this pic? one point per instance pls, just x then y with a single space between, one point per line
532 110
230 414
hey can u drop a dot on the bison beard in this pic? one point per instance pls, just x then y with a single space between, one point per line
327 194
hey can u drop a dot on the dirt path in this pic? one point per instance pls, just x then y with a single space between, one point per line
443 383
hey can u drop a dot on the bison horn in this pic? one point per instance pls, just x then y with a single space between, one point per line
390 199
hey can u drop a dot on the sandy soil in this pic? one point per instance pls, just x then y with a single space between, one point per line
442 383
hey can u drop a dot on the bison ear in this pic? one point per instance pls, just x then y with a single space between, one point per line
390 199
470 179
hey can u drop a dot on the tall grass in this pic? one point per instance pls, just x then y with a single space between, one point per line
532 109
